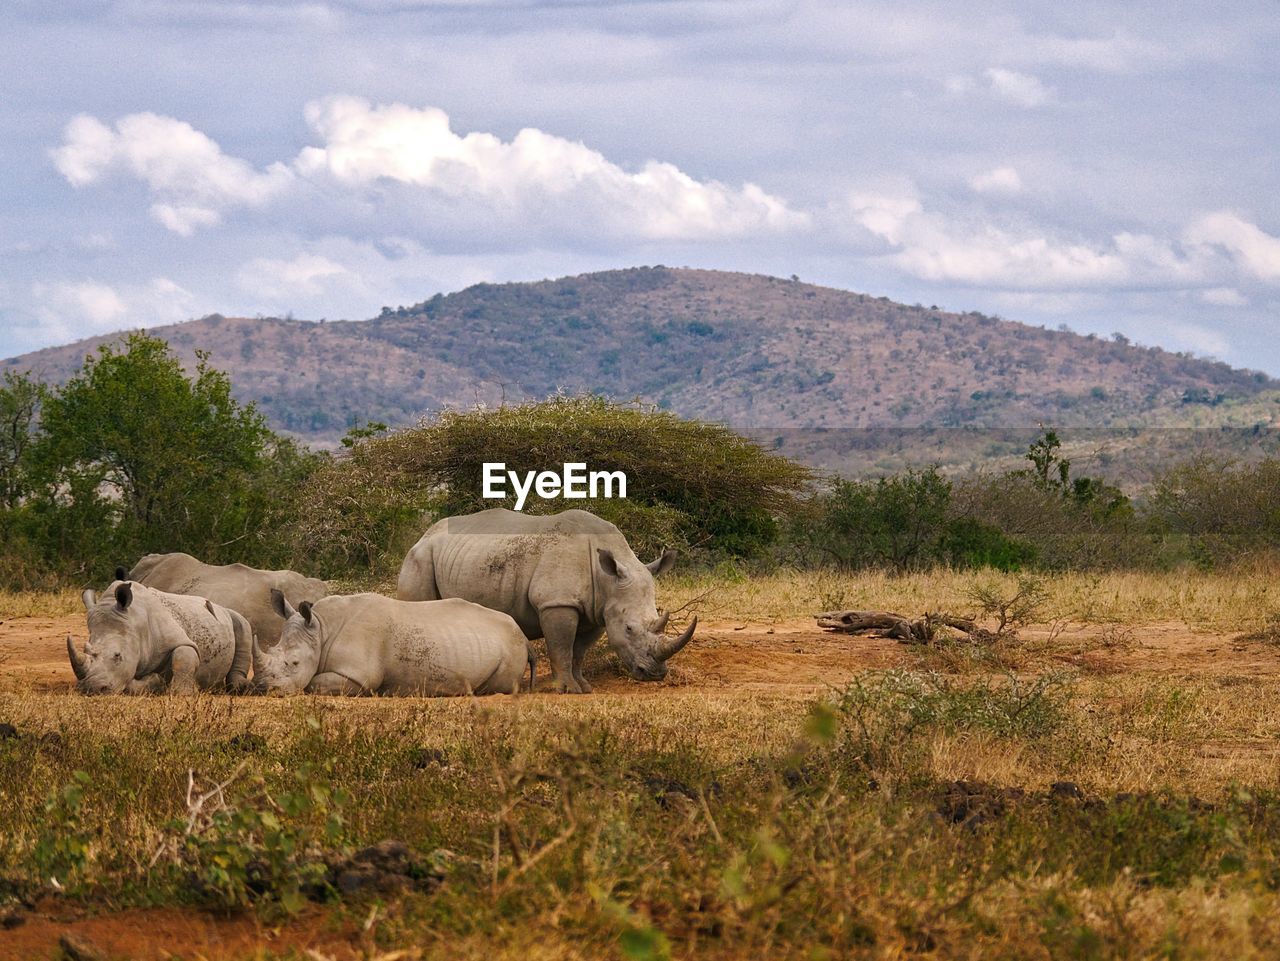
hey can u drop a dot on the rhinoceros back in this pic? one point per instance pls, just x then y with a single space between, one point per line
512 562
238 587
433 648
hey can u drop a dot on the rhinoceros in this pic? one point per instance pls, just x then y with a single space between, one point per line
566 577
243 589
370 644
142 640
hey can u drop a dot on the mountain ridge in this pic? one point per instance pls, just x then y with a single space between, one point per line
745 349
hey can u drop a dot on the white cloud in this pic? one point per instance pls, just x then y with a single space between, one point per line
366 143
306 275
1020 89
1202 340
192 180
929 246
536 179
974 251
98 304
69 310
1118 53
1257 251
1224 297
1001 180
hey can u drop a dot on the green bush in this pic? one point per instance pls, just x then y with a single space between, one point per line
1218 512
689 484
131 456
905 522
264 848
62 849
968 542
897 522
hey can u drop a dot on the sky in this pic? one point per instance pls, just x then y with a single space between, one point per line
1107 166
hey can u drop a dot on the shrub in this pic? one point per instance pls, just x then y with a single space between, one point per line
896 522
884 720
905 522
689 483
1054 530
1217 511
63 846
132 455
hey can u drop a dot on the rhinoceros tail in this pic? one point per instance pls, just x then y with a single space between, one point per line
238 676
533 665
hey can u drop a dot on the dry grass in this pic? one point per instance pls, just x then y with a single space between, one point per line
1223 601
38 603
712 822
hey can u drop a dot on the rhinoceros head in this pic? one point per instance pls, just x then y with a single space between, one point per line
287 666
110 657
631 615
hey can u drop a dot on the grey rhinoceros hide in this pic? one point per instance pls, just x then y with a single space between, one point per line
566 577
144 640
370 644
243 589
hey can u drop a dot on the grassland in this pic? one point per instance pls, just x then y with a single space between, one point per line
1104 785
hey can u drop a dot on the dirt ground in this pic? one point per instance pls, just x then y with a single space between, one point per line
790 659
783 658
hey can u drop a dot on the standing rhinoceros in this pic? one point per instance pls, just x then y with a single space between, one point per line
370 644
241 588
142 640
566 577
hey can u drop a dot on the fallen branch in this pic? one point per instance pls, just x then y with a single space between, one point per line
923 630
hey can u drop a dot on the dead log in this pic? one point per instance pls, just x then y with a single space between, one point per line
923 630
886 623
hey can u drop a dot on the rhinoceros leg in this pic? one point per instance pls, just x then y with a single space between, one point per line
560 628
330 683
147 684
183 663
586 637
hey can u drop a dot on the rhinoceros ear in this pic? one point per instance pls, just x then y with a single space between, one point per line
305 610
280 605
121 574
608 563
124 596
663 564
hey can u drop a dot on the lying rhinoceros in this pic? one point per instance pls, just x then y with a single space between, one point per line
566 577
370 644
244 589
142 640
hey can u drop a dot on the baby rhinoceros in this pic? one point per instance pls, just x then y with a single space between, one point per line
370 644
145 641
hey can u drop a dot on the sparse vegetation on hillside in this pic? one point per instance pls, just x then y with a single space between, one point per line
741 349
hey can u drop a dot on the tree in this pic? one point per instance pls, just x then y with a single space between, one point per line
896 522
136 456
20 400
689 483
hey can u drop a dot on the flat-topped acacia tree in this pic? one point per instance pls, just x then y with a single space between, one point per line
689 483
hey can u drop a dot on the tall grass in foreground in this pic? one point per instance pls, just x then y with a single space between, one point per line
698 824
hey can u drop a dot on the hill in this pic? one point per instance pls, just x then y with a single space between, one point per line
748 350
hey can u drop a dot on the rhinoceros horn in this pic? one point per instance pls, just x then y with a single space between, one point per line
660 624
672 647
77 662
